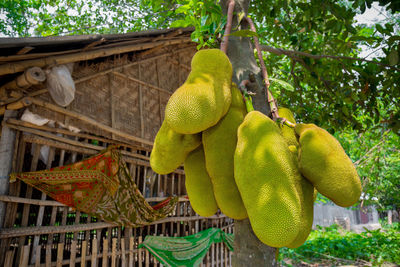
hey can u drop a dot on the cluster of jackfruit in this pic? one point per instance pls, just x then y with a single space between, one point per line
200 131
246 164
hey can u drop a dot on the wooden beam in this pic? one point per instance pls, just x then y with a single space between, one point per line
67 132
42 230
69 141
53 203
6 155
64 59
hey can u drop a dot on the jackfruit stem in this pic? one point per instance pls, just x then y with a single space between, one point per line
248 101
286 122
270 98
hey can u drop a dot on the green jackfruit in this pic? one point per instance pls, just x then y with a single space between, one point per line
307 195
288 132
306 192
171 148
219 144
265 174
198 184
325 164
305 189
205 96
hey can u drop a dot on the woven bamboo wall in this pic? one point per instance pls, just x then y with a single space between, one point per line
128 93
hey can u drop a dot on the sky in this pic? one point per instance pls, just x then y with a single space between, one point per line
371 16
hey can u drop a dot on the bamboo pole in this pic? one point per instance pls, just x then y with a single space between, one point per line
9 258
6 155
141 82
93 122
116 68
123 251
69 133
23 261
83 253
69 141
114 252
73 254
30 77
37 253
105 253
39 202
94 252
64 59
15 105
60 254
35 230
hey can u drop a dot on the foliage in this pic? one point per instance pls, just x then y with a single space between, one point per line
330 91
377 157
334 246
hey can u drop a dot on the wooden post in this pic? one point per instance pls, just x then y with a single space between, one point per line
6 155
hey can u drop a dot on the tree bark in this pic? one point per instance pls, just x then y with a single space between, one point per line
248 249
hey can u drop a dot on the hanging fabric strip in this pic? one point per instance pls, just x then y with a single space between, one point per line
187 250
100 186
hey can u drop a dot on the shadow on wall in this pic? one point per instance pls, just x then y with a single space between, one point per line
354 219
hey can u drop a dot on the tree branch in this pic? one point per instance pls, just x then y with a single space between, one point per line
295 54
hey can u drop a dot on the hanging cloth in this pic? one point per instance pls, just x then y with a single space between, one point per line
100 186
187 250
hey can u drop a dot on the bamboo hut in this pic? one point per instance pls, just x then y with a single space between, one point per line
122 84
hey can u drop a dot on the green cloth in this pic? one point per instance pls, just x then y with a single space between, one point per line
186 250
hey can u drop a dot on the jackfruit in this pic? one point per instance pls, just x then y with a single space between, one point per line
205 96
265 174
305 189
219 144
171 148
198 184
325 164
288 132
307 195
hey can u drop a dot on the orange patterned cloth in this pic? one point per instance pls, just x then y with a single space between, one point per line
100 186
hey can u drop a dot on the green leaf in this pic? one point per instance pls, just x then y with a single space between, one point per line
179 23
393 57
393 39
380 28
283 84
244 33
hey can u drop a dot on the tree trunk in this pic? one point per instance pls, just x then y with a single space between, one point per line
248 250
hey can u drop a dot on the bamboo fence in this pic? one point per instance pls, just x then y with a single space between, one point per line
119 99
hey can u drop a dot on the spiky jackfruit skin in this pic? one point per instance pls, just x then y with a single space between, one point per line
325 164
205 96
219 144
171 148
288 132
307 194
198 184
305 189
265 175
